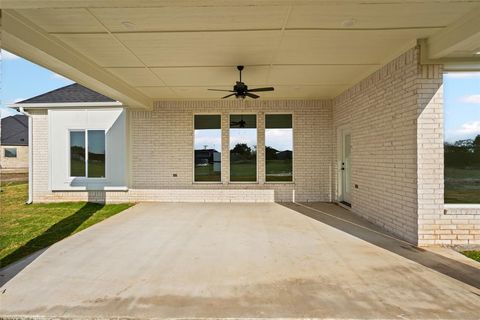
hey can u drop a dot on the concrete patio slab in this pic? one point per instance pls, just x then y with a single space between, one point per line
240 260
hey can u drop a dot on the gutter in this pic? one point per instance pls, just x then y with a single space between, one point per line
30 155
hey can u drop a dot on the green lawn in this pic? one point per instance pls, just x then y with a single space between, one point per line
243 170
475 255
28 228
278 170
462 185
206 173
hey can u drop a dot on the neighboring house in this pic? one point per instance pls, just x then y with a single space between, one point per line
359 83
206 156
14 142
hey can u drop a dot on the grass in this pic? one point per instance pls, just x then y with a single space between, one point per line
244 171
28 228
462 185
278 170
206 173
96 169
472 254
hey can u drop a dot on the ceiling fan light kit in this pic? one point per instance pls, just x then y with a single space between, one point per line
240 89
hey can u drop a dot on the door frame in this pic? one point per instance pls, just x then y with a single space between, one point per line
341 132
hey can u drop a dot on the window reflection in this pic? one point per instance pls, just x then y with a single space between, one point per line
278 147
77 153
208 145
243 148
96 153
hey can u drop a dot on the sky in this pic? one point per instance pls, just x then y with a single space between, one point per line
462 105
21 79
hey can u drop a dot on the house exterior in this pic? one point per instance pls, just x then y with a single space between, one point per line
14 143
358 87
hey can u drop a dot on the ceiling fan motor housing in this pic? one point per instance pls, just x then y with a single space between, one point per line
240 88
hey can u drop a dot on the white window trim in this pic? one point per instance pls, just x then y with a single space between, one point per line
193 148
293 147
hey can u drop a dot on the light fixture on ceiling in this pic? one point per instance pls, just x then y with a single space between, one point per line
349 23
477 53
128 25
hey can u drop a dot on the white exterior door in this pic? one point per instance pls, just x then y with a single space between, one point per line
346 167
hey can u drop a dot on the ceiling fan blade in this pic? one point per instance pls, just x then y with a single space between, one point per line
228 95
261 89
221 90
251 95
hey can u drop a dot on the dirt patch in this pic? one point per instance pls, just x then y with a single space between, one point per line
13 177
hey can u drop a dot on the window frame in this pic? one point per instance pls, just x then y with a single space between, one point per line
293 146
7 149
86 177
193 147
257 157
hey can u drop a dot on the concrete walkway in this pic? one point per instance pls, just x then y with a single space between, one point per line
240 260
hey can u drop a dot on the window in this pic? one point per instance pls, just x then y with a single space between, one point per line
96 153
462 137
77 154
243 148
10 152
91 164
278 147
208 146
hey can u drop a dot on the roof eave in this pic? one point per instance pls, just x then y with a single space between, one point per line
48 105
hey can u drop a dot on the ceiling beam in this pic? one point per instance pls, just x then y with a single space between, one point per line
24 39
455 36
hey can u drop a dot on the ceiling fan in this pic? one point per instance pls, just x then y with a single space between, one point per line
240 124
240 89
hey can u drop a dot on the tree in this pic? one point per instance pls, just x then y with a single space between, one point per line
476 150
271 153
242 149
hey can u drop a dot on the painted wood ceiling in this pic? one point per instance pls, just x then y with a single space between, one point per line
305 49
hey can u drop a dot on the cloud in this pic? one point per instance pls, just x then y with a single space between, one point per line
470 128
474 98
463 75
18 100
8 56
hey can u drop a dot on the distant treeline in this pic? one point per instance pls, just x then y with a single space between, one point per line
463 153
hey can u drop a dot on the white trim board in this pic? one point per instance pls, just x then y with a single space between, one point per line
65 105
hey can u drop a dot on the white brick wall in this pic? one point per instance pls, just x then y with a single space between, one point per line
396 120
162 145
436 224
381 112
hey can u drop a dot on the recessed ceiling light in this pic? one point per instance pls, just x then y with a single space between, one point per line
477 53
348 23
128 25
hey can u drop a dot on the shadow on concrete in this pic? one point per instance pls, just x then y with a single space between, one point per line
352 224
33 248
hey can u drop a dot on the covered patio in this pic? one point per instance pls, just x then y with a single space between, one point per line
359 83
262 260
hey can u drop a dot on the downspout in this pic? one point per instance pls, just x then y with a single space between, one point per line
30 155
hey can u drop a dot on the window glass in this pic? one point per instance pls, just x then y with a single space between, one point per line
96 153
462 137
208 147
278 147
243 148
77 153
10 152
